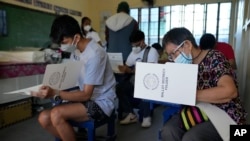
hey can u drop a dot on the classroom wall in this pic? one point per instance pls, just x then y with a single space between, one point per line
78 5
242 51
29 25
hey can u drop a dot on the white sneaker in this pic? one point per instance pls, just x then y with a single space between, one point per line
146 122
130 118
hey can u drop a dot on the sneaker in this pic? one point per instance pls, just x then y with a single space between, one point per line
146 122
130 118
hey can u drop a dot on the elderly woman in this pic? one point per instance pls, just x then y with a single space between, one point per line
216 88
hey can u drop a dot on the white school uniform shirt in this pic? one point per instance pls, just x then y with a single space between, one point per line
93 35
153 57
97 71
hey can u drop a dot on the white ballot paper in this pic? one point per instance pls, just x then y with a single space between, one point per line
115 60
171 82
58 76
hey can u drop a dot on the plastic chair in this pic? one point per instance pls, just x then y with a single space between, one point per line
91 125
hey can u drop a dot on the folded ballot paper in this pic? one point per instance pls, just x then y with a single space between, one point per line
171 82
115 60
58 76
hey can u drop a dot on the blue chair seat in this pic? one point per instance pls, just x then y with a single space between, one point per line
91 125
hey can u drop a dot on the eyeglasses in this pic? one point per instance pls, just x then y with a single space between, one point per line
171 55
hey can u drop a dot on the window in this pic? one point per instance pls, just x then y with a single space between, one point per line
198 18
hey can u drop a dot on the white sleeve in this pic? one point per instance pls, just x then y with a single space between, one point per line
95 36
153 55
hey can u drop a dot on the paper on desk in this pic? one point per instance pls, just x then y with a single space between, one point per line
170 82
115 60
57 76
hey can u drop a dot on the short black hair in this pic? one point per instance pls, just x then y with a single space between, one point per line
64 26
82 28
157 46
136 35
123 7
177 36
207 41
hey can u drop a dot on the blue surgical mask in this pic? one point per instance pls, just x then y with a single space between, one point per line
183 58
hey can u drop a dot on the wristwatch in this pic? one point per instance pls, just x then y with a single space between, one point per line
57 96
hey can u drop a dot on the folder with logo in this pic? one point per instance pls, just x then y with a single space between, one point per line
58 76
171 82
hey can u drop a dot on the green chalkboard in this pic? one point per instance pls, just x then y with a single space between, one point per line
25 27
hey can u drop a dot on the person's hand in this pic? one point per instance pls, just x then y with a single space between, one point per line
122 68
43 92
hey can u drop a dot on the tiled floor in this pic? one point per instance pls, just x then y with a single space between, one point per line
30 130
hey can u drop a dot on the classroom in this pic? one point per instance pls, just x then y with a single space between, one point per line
124 70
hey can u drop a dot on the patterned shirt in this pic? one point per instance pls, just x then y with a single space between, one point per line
211 68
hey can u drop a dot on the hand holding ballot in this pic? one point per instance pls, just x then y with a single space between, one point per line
44 92
115 60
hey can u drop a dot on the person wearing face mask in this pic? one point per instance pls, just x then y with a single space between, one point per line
125 89
218 104
89 32
96 96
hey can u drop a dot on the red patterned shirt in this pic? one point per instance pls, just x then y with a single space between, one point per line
212 67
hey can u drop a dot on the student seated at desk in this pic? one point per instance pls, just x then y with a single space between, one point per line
96 98
140 53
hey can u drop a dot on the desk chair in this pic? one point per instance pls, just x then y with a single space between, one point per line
91 125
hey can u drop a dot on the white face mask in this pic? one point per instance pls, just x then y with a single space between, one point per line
87 27
68 47
136 50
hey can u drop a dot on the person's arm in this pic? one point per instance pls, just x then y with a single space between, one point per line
224 91
47 92
233 63
153 56
83 95
126 69
97 38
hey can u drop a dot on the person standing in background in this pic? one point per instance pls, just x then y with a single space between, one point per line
88 31
118 29
208 41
